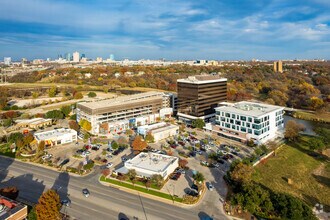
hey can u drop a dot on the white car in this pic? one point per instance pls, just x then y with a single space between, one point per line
47 156
109 165
87 152
210 186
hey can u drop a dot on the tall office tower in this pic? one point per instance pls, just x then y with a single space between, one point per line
112 57
83 55
199 95
68 56
7 60
278 66
76 57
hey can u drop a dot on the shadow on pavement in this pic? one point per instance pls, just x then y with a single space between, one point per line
61 185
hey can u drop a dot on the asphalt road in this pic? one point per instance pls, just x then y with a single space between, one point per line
104 202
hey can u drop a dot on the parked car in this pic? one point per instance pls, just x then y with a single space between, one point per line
47 156
181 143
85 192
109 165
65 202
87 147
96 148
124 159
195 187
192 193
79 151
65 161
210 186
205 163
173 146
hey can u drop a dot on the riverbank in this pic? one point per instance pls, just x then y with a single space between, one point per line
316 117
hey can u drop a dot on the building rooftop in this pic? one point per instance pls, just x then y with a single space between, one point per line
249 108
32 121
121 100
202 79
9 207
46 135
150 161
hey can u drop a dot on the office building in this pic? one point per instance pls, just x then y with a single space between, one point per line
7 60
68 57
76 57
112 57
245 121
278 66
148 164
56 136
12 210
199 95
34 123
111 116
83 56
159 131
99 59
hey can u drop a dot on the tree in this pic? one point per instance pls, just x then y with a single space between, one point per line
49 206
198 123
149 138
148 184
91 94
157 180
7 122
10 192
316 103
316 144
52 92
183 163
131 175
74 125
78 95
28 139
41 146
138 144
32 214
129 132
35 95
114 145
86 125
292 130
241 173
66 110
73 117
54 114
14 137
198 177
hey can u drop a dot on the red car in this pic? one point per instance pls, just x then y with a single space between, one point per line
181 143
87 147
174 146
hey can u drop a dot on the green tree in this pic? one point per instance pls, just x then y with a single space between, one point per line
114 145
157 180
198 123
7 122
241 173
54 114
52 92
49 206
32 214
14 137
91 94
35 95
149 138
198 177
73 117
66 110
316 144
131 175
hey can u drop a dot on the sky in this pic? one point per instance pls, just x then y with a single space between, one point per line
170 29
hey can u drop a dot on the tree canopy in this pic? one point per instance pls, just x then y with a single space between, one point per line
49 206
138 144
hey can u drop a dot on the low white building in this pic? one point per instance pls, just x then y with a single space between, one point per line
148 164
245 121
159 131
56 136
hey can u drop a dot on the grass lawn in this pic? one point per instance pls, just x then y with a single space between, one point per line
141 189
313 116
5 151
310 175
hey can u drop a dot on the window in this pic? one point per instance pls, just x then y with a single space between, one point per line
256 132
232 121
223 119
250 119
243 129
237 122
227 125
254 126
250 131
233 116
257 121
243 118
233 126
227 115
217 113
248 125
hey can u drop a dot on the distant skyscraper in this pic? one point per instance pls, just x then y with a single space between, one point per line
112 57
278 66
7 60
76 57
68 56
83 55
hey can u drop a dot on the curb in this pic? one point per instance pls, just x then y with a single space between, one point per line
151 196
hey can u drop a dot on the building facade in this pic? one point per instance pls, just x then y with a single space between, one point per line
148 164
7 60
159 131
56 136
246 121
199 95
115 115
76 57
278 67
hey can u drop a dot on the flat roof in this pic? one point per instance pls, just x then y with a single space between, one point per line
46 135
150 161
252 109
33 121
121 100
163 128
9 207
202 79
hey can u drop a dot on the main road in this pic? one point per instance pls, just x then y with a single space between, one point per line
103 203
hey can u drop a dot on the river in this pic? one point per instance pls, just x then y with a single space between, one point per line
309 125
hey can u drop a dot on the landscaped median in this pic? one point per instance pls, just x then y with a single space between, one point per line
141 189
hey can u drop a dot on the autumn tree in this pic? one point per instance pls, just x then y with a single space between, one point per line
52 92
41 146
138 144
78 95
10 192
149 138
86 125
28 138
183 163
292 130
129 132
74 125
241 173
49 206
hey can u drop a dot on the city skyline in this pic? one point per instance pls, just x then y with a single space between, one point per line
172 30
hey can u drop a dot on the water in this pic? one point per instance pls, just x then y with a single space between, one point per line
309 125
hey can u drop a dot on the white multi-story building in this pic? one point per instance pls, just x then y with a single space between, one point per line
159 131
148 164
245 121
116 115
7 60
76 57
56 136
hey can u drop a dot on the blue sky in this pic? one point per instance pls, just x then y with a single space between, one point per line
170 29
